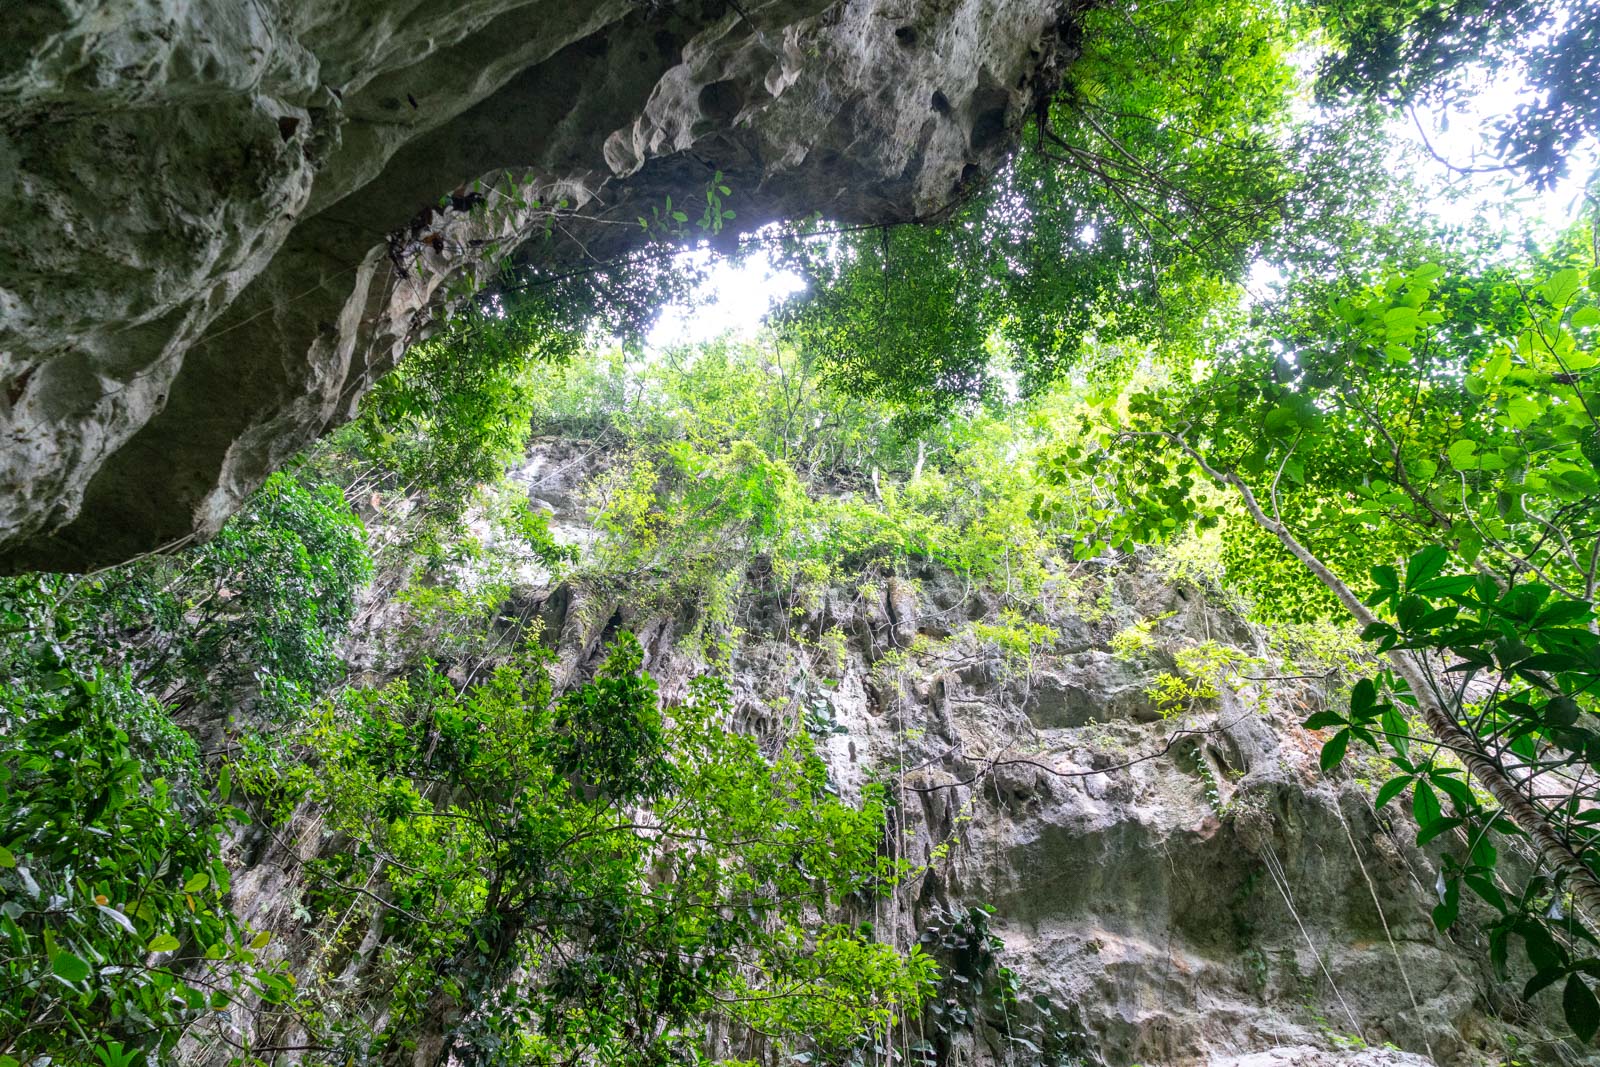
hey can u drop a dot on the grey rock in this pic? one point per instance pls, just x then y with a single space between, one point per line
1191 891
221 218
1092 686
1310 1056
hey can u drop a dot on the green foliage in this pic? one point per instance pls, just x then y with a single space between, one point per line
665 221
456 412
736 470
598 875
1446 424
1059 375
1134 641
286 573
978 993
1527 664
1401 50
1145 183
1421 412
1429 50
1181 114
1200 672
258 610
1015 638
117 935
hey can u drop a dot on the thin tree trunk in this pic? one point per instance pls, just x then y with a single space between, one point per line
1550 845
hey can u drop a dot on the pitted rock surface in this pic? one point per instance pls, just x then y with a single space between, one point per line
1181 890
199 195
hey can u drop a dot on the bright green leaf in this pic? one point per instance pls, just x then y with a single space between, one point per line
70 967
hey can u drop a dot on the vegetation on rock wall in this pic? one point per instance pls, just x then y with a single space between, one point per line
590 876
1435 444
498 860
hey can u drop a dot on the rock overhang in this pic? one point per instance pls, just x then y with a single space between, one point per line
200 199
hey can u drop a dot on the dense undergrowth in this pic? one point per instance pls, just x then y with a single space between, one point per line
595 875
592 874
535 875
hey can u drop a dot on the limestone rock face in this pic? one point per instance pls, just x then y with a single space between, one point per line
1177 886
201 198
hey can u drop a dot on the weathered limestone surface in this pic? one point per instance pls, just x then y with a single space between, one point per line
1182 891
197 197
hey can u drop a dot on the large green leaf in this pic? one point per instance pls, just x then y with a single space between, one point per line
1581 1009
70 967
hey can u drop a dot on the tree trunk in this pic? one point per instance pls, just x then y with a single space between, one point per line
1551 846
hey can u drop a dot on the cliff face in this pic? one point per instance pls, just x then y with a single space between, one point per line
1172 885
220 217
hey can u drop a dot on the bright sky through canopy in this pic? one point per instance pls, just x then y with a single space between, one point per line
1449 149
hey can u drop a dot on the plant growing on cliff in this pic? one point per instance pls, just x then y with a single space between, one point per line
1432 52
978 993
593 873
257 610
1452 426
118 933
